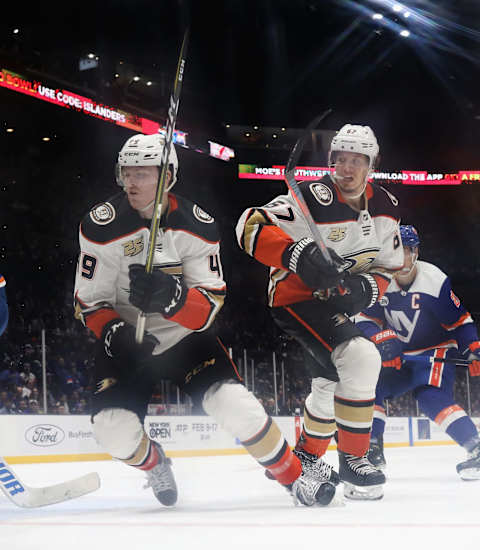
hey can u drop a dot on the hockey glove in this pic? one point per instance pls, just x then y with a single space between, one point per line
305 259
354 294
474 357
119 343
156 292
390 348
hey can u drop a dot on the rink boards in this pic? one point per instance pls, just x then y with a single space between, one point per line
53 438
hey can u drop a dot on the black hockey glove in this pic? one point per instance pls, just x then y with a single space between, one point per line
156 292
354 294
390 348
119 343
305 259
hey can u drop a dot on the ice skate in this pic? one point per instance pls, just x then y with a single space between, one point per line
309 492
469 470
315 467
362 480
160 478
375 453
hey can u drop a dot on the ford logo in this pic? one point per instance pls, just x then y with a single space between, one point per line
44 435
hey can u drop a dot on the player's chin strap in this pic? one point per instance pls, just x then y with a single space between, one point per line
335 179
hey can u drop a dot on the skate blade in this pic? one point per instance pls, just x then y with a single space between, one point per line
470 474
355 492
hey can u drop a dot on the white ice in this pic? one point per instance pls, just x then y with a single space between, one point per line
227 503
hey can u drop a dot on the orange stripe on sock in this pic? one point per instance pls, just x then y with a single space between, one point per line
447 411
353 444
287 469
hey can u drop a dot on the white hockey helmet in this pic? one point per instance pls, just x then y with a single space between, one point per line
355 139
146 150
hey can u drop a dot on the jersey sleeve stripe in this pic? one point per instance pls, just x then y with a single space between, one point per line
97 320
464 319
199 309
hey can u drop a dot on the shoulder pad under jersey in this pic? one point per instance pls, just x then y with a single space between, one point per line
382 202
188 216
111 220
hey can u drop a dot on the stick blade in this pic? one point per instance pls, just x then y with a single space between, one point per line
34 497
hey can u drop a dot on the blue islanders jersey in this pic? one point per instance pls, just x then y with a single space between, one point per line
3 305
424 316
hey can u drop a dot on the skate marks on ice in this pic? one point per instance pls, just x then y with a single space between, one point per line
228 502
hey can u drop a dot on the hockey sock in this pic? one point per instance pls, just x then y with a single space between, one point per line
379 420
272 451
457 424
316 433
354 421
145 457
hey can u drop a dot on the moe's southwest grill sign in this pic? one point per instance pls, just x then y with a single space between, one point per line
404 177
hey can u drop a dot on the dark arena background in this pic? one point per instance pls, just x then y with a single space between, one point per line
257 72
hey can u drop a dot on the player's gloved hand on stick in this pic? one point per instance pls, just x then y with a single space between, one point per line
354 294
119 343
305 258
390 348
156 292
473 355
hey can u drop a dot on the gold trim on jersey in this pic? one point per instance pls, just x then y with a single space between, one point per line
216 299
276 276
253 225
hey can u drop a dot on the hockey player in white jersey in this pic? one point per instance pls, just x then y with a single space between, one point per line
312 300
419 320
181 299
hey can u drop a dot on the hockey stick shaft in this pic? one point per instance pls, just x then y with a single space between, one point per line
295 189
32 497
157 208
461 362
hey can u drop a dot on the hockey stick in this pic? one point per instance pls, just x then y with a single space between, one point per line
33 497
157 208
459 361
295 189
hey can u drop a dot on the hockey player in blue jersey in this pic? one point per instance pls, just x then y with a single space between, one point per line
3 305
420 315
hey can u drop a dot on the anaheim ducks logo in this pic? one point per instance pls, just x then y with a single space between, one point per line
103 213
201 215
105 384
322 193
337 234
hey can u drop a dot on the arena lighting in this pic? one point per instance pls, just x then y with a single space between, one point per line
46 138
404 33
10 130
255 127
91 55
407 14
136 78
149 83
377 16
16 31
397 8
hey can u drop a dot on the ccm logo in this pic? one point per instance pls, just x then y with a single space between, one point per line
44 435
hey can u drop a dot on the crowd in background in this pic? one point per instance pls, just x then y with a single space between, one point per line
43 196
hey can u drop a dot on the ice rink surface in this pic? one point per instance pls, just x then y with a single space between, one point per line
227 503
